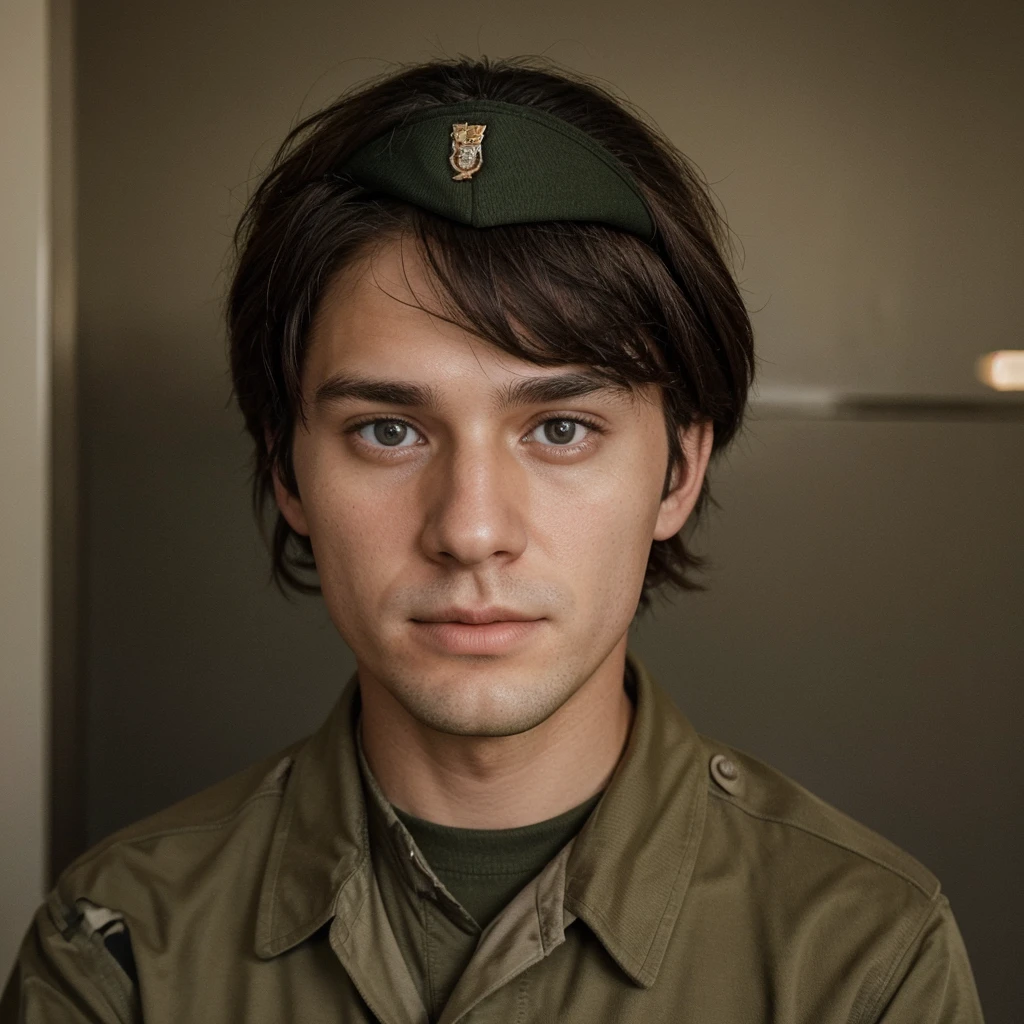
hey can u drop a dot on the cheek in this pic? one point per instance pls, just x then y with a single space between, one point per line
600 528
358 528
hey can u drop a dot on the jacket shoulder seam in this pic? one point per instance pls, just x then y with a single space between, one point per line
159 833
34 981
832 840
901 953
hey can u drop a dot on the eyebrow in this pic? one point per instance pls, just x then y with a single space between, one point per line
557 388
340 387
528 391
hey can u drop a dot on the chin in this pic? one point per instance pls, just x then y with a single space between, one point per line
476 701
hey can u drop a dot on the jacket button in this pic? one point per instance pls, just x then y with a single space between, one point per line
726 773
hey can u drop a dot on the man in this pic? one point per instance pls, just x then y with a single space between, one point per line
485 342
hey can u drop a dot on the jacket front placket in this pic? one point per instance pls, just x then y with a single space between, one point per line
529 929
523 933
363 940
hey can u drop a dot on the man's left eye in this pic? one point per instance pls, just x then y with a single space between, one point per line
559 432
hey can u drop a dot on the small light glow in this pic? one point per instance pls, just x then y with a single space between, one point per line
1003 371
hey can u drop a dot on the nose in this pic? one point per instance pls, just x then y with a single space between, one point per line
475 508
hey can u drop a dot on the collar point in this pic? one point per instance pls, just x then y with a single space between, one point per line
642 971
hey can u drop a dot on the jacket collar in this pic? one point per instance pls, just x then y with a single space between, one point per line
626 876
320 844
631 864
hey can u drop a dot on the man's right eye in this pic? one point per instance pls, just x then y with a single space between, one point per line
388 434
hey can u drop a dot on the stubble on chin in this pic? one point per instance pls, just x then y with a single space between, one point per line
483 702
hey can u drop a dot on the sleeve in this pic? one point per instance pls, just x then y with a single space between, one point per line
65 973
934 983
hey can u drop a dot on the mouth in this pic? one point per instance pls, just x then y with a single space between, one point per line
478 616
477 631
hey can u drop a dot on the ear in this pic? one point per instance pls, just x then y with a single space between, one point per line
687 478
289 504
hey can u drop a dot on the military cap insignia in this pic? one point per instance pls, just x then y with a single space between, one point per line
467 150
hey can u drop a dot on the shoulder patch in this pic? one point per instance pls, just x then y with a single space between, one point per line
763 792
110 927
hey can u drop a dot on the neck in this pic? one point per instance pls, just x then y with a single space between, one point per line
500 781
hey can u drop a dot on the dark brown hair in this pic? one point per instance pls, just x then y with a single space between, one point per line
551 293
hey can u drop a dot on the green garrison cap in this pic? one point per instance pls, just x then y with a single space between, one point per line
485 163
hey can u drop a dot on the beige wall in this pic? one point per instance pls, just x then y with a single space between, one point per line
863 627
24 461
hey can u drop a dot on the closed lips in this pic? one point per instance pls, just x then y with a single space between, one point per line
478 617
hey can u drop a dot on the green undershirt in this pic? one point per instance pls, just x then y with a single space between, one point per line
484 868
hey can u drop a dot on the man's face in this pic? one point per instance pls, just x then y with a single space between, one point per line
481 525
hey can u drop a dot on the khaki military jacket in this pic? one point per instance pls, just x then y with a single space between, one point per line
705 888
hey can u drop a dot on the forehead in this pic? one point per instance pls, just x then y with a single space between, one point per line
381 308
380 317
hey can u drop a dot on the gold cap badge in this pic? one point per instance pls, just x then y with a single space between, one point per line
467 150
